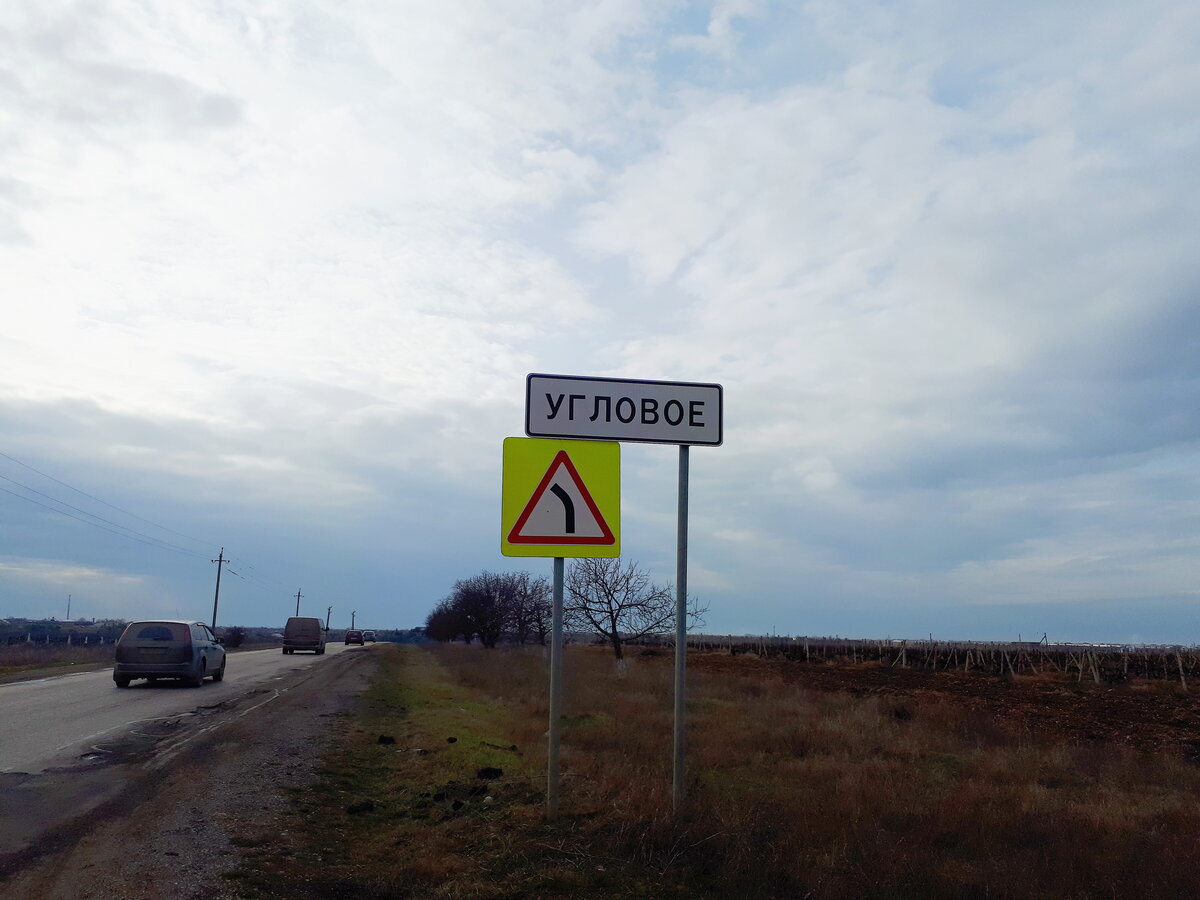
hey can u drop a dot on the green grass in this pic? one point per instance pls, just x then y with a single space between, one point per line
413 818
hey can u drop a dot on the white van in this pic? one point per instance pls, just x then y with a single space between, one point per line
304 633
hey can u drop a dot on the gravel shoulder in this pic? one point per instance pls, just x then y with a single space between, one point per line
162 817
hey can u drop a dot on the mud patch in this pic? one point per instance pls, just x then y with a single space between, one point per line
47 811
39 810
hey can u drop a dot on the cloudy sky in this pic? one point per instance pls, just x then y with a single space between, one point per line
273 274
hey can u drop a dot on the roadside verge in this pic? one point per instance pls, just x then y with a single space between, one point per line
165 798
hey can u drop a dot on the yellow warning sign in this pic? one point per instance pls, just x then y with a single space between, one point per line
561 498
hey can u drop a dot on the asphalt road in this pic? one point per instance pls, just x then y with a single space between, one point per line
56 721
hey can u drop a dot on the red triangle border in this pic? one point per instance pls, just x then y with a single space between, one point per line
606 539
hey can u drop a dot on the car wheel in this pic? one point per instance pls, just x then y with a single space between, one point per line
122 681
219 675
198 679
321 652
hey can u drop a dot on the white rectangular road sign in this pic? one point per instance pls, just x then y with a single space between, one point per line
623 409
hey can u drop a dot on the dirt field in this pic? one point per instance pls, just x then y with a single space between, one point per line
1148 716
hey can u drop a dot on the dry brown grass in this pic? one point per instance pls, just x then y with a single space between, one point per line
792 793
19 658
22 661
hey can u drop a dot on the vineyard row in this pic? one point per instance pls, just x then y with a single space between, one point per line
1100 663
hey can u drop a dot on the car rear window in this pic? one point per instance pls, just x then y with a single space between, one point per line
157 631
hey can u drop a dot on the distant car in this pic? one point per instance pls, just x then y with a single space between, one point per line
354 636
304 633
168 648
369 636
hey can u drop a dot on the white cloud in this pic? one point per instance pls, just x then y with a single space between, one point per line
60 572
941 259
721 36
341 225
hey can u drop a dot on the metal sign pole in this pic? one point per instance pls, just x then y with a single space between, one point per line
580 410
680 630
556 658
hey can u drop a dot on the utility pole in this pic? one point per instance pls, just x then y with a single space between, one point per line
68 607
328 613
298 596
220 561
352 612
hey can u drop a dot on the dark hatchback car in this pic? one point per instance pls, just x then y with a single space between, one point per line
168 648
353 636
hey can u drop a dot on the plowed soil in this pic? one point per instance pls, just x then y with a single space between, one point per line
1149 716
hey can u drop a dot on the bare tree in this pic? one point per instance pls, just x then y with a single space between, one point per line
485 603
542 609
620 603
445 623
490 606
529 617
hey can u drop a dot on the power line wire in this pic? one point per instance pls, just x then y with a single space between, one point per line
61 512
248 580
265 580
105 502
94 516
142 538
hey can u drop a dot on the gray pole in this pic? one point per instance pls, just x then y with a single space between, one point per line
220 561
353 613
556 658
680 630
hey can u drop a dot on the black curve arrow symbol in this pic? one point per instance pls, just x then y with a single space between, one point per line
568 506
